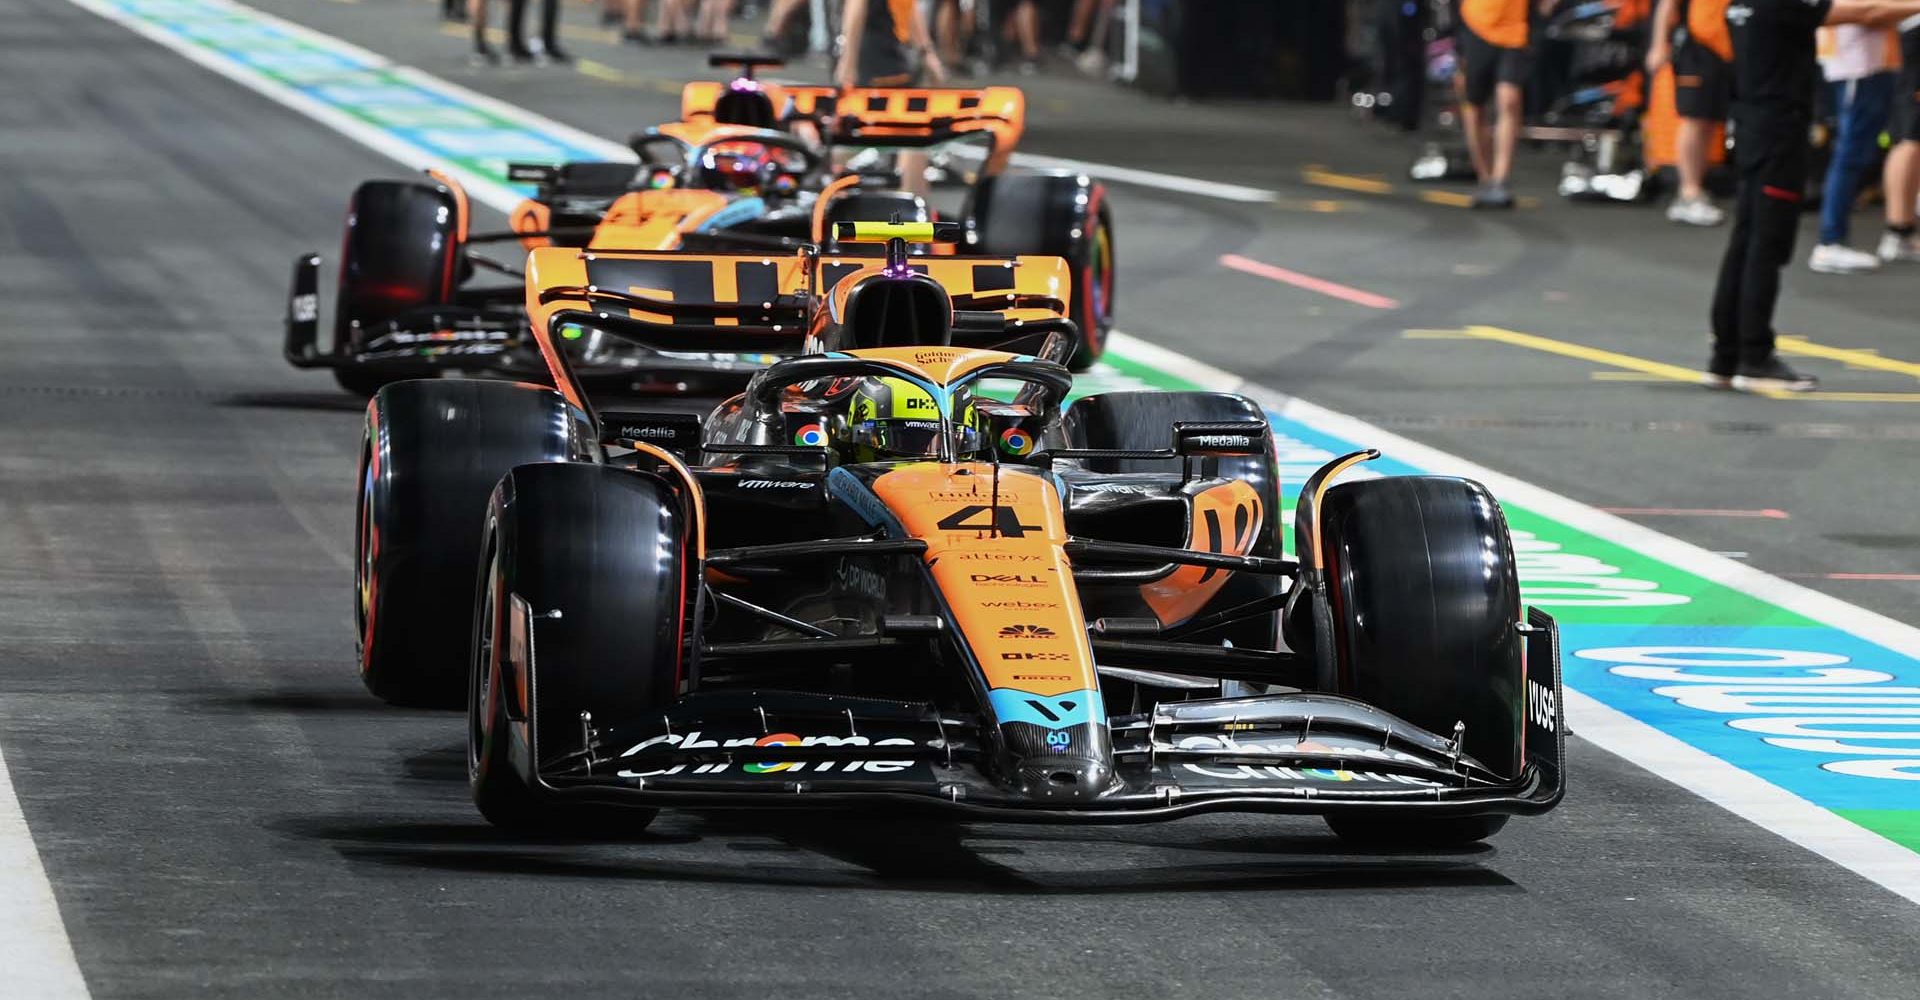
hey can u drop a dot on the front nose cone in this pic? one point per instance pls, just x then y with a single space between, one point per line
1063 779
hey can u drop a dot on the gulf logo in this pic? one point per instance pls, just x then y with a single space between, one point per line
810 436
1015 441
774 740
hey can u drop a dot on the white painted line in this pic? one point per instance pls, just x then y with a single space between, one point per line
1740 792
1129 175
35 954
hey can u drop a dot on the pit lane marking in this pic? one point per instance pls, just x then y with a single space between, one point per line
1331 289
1861 357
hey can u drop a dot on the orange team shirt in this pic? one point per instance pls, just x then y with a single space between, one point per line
1499 22
1707 24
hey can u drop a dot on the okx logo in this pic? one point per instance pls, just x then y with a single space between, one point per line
1027 632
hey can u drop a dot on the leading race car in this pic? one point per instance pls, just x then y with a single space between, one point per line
912 577
733 175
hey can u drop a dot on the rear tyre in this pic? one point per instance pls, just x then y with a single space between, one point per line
1144 421
432 453
585 541
1056 215
1414 832
1424 603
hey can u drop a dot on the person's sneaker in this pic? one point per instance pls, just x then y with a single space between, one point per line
1836 258
1895 247
1695 212
1493 195
1028 67
483 56
1717 379
1092 62
1773 375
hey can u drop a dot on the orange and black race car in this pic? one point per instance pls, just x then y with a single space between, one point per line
749 167
915 577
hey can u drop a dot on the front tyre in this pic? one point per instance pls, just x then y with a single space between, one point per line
592 560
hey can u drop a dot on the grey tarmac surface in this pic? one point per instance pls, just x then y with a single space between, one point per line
224 813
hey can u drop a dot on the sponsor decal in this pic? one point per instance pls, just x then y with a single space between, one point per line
1059 741
1020 605
1075 708
1036 657
305 308
1274 772
774 484
1027 632
1540 707
852 576
1006 579
1043 677
1015 441
641 432
810 436
1007 496
694 741
1228 744
997 556
1221 441
1116 488
937 357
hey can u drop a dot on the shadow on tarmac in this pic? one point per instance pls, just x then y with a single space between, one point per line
334 401
891 853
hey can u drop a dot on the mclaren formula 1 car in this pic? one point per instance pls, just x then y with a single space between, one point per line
911 577
413 299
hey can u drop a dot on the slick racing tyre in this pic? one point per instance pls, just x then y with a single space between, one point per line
576 551
402 252
1143 421
1424 602
1056 215
432 453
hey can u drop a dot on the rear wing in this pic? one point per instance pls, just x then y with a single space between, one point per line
888 117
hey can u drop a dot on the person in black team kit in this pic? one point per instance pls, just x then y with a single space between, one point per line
1775 70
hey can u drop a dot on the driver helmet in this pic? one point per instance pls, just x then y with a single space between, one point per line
737 166
895 418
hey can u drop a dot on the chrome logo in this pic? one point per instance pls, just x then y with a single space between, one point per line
811 436
1015 441
775 740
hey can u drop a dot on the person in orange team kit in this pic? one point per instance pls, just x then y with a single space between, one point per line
1495 62
1693 36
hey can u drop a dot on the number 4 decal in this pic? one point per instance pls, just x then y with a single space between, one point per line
1003 520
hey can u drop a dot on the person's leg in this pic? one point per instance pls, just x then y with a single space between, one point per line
1026 27
1690 156
1902 183
1727 293
477 13
1776 221
1862 114
517 30
1507 132
550 31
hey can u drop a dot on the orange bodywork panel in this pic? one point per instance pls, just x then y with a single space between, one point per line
1043 277
1226 519
654 220
1010 590
869 116
529 217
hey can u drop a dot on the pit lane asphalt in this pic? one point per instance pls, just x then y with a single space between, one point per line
223 812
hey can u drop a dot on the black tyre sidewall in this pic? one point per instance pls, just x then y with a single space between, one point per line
1425 601
439 447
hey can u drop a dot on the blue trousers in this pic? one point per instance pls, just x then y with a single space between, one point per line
1862 107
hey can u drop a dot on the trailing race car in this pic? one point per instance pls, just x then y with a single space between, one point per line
731 175
911 576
